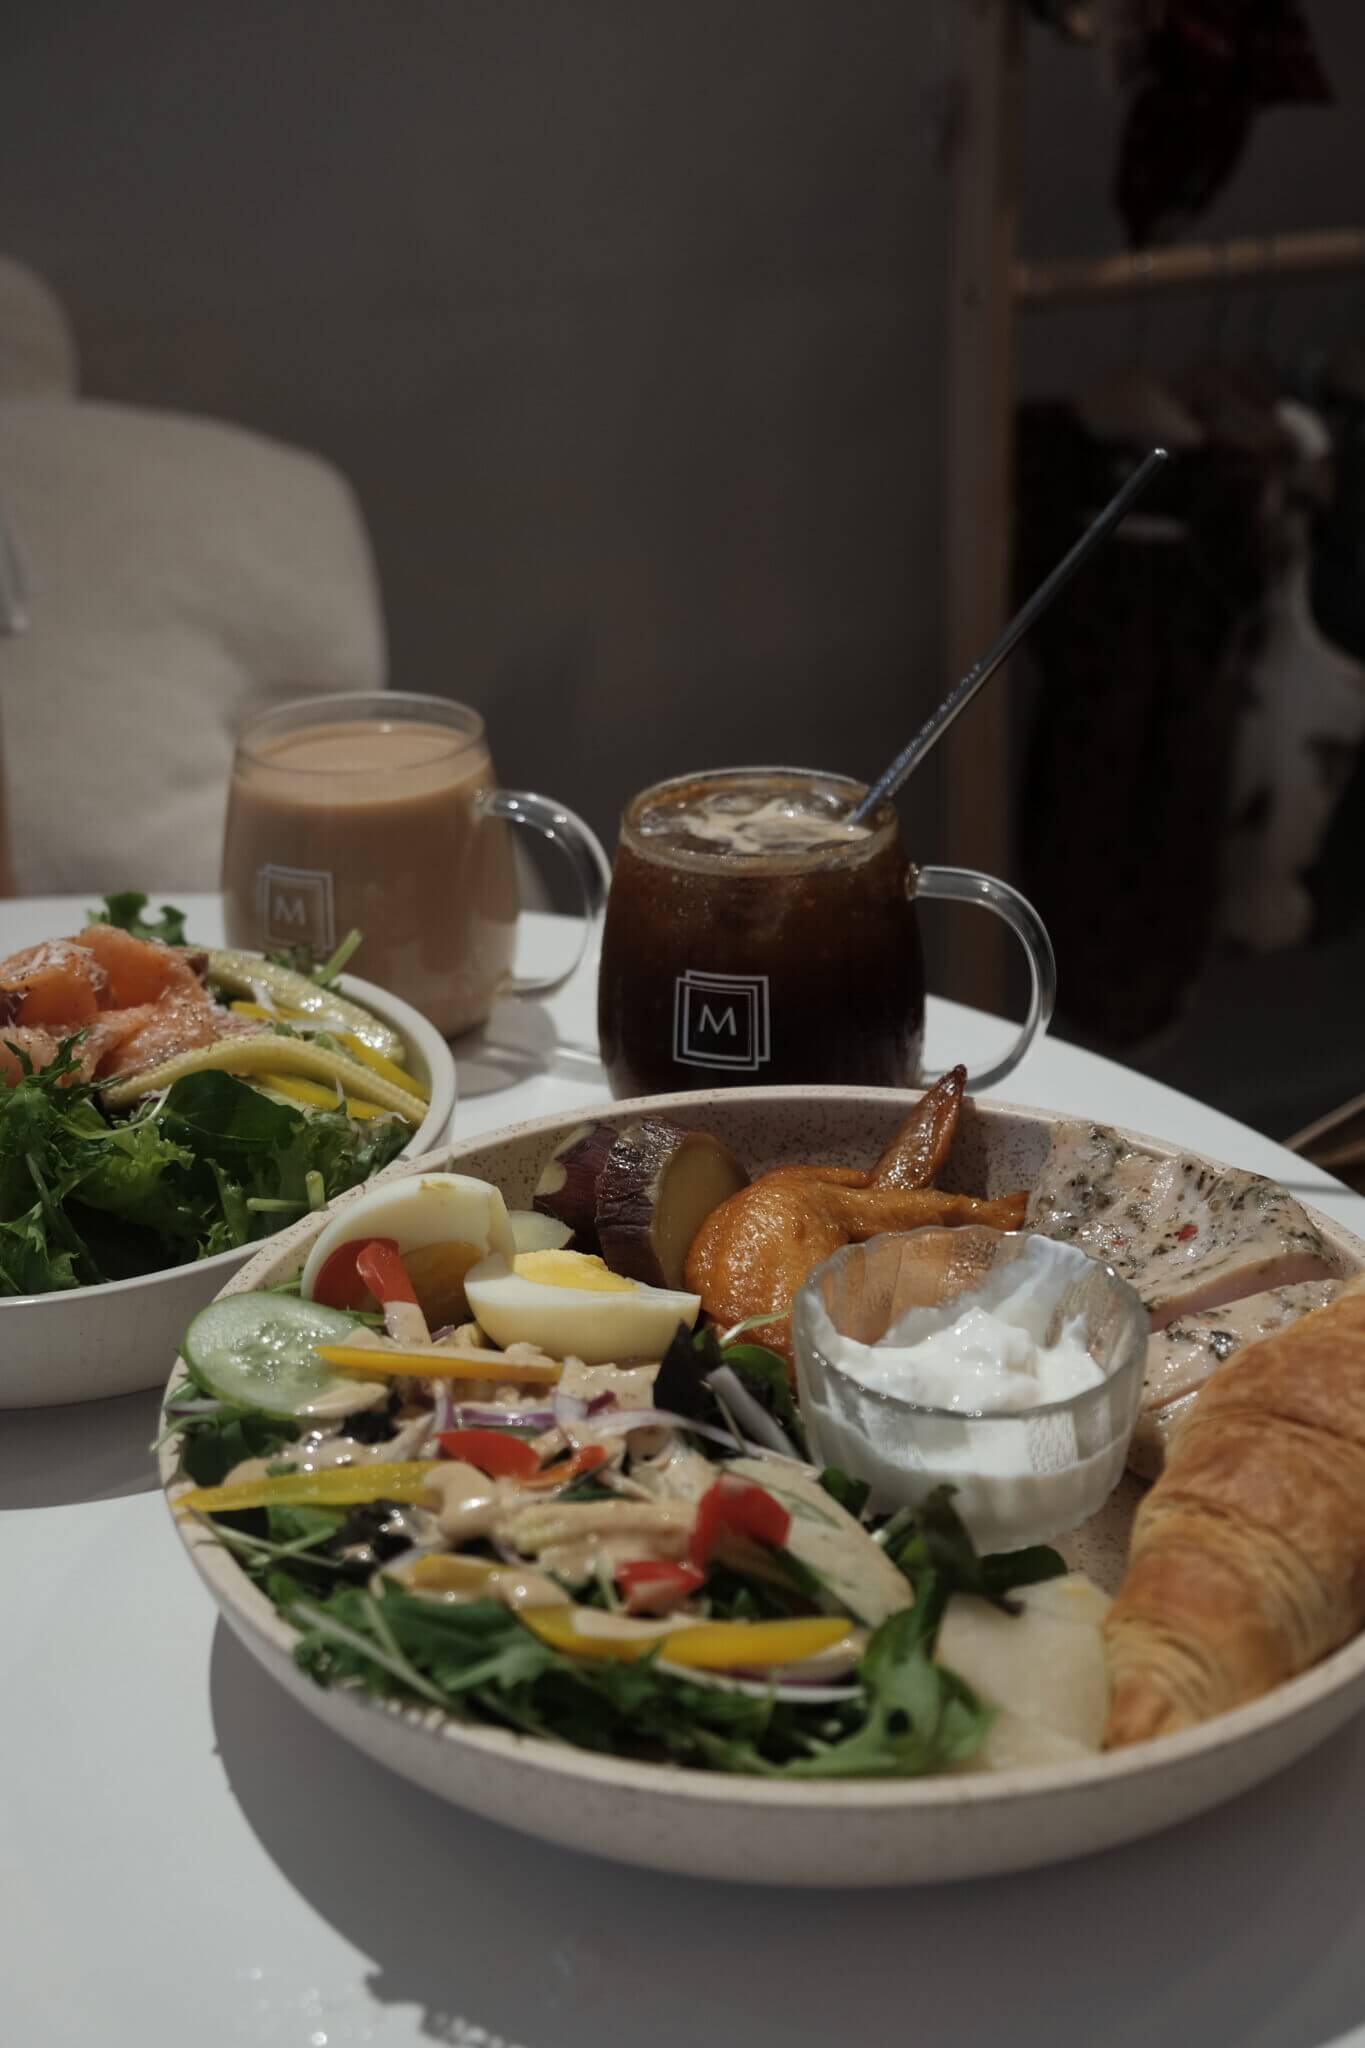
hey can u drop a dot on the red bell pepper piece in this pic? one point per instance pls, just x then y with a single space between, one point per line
363 1270
492 1451
735 1507
586 1458
383 1271
339 1283
652 1585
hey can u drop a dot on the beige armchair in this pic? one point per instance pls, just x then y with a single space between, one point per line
171 571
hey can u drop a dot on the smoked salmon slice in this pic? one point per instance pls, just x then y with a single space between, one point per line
56 982
137 1002
136 971
159 1031
16 1038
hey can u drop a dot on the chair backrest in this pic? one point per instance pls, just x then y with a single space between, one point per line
37 347
177 572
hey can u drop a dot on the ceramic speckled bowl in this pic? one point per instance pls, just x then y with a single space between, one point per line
851 1832
88 1343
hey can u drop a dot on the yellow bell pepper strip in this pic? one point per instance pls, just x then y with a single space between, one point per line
369 1362
339 1486
707 1646
266 1053
445 1571
244 974
390 1069
318 1097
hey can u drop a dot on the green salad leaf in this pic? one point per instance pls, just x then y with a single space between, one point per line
29 1264
851 1494
478 1662
683 1382
303 960
931 1540
919 1716
214 1165
125 907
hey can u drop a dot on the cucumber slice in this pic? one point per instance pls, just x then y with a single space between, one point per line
256 1350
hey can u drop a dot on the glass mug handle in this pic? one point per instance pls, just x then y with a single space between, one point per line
580 846
965 885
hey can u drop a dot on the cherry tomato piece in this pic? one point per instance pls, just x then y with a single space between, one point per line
735 1507
492 1451
651 1585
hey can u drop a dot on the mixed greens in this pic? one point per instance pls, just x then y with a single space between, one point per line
89 1193
738 1676
212 1165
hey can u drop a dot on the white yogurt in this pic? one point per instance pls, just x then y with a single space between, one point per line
980 1396
982 1360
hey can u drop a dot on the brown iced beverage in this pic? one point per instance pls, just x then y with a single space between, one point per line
754 936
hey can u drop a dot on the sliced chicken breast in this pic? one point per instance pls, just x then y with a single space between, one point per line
1188 1235
1183 1355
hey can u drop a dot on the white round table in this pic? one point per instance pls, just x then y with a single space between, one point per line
186 1857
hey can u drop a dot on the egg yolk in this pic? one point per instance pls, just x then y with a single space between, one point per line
578 1270
437 1274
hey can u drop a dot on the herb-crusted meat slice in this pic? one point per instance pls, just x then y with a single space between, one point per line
1187 1234
1189 1350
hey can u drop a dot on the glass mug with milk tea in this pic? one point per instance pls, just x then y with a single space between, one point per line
754 935
380 813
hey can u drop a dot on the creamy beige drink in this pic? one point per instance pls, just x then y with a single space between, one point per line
378 822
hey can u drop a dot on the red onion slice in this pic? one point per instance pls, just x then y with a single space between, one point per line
750 1413
797 1692
479 1415
623 1420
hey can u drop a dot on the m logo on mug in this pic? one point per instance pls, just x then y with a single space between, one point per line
721 1020
295 907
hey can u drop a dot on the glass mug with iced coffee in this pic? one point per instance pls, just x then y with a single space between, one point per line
755 935
380 813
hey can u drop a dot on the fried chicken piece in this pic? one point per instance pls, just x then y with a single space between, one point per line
916 1154
754 1251
919 1151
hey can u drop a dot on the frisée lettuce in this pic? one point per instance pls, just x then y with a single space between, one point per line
213 1164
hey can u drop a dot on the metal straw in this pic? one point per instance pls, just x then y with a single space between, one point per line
961 696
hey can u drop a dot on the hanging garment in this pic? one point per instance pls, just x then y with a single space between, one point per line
1211 66
1139 666
1297 738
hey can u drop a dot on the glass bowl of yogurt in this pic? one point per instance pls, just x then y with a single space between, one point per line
1000 1363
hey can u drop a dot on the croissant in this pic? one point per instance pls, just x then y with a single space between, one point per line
1247 1561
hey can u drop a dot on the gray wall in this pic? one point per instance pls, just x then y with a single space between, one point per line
625 318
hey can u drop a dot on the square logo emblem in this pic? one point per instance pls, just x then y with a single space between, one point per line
294 906
721 1020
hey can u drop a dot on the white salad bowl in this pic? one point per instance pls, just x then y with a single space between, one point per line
87 1343
849 1832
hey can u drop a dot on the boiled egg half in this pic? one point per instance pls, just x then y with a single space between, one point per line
444 1224
572 1305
